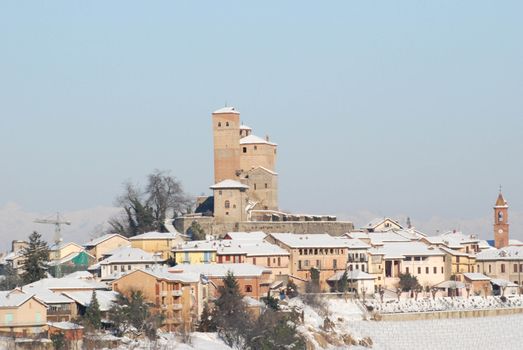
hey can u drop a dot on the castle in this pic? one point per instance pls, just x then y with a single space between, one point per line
245 190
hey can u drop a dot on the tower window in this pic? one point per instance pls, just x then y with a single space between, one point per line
244 149
500 216
227 124
255 187
227 204
255 148
219 124
266 186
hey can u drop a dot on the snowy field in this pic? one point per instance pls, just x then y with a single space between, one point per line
487 333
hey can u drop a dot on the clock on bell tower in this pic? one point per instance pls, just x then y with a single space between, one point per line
501 222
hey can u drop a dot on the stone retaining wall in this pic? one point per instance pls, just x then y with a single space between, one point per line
415 316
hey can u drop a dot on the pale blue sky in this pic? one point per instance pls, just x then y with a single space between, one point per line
391 107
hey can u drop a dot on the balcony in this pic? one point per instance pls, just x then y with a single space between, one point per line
177 307
163 307
163 293
177 293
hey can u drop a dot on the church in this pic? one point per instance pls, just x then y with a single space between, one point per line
245 189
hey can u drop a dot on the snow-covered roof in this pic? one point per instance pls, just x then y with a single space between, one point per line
453 239
226 110
65 325
506 253
476 276
378 221
105 298
245 127
98 240
83 275
197 246
220 270
319 240
247 236
62 245
263 169
46 296
455 252
255 140
130 255
162 273
502 283
65 283
228 184
154 235
515 242
353 243
250 248
351 275
13 298
400 250
378 238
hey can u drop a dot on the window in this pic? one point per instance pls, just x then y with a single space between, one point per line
502 268
227 124
128 267
279 261
427 270
435 270
255 187
244 149
227 204
406 270
442 269
516 268
268 261
318 265
334 264
419 270
266 186
248 289
8 318
227 258
306 263
500 216
254 261
489 268
220 193
219 124
226 213
255 148
299 264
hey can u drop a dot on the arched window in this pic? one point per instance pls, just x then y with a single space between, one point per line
227 204
500 216
227 124
219 124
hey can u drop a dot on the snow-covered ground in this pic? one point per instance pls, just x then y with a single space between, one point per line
444 304
486 333
199 341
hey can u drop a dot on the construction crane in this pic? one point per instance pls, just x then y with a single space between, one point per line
57 226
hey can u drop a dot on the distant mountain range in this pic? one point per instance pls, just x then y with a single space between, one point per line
17 223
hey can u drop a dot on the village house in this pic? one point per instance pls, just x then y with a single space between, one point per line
179 296
196 252
60 308
21 314
358 282
387 262
15 258
254 281
382 225
102 245
323 252
478 283
505 263
157 243
357 252
61 250
127 259
82 300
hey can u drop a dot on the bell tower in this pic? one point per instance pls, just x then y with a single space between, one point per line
501 226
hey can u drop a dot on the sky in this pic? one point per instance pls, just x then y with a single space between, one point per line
379 108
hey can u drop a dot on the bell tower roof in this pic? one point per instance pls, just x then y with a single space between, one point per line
501 202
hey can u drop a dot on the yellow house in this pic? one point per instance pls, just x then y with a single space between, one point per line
57 252
196 252
157 242
102 245
457 263
21 313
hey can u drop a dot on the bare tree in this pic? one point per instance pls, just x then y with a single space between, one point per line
147 209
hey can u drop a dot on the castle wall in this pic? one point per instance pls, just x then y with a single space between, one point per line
256 155
334 228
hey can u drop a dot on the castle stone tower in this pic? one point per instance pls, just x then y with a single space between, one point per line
226 130
501 227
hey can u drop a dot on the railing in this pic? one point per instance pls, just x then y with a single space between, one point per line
177 306
177 293
163 293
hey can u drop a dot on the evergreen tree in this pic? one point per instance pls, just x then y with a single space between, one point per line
292 289
271 302
343 282
11 279
196 232
36 257
93 316
408 282
275 331
207 323
231 314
